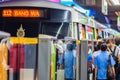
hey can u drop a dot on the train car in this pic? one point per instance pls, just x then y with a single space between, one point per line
25 20
36 17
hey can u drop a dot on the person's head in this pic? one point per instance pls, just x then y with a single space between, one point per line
103 47
110 42
99 39
70 47
63 41
95 48
117 41
99 45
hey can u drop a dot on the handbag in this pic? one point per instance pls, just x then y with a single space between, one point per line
60 74
110 73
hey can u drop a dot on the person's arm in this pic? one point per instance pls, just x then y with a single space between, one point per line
93 59
112 66
113 69
118 55
96 69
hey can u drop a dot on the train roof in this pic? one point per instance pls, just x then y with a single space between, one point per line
44 4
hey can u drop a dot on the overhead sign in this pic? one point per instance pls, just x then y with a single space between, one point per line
74 5
66 0
104 7
118 21
90 2
22 13
91 21
55 1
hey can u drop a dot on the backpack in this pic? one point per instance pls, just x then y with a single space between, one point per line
113 55
116 60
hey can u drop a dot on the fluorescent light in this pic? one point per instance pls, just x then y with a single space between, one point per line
115 2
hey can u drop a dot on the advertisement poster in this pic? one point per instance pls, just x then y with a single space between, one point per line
89 33
104 7
94 32
83 32
118 23
100 33
80 31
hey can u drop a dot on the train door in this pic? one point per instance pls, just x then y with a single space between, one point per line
74 56
22 58
52 61
66 62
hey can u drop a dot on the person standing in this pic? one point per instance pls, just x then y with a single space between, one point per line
69 62
90 65
115 52
101 64
95 53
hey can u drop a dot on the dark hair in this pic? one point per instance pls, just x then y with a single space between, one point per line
110 40
99 37
99 45
70 47
95 48
117 40
103 47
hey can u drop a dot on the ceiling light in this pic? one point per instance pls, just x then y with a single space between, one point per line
115 2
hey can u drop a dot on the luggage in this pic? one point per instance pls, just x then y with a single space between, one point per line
3 61
60 74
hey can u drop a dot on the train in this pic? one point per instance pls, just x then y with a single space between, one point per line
33 26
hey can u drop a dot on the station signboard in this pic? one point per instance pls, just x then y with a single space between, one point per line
118 23
104 7
23 13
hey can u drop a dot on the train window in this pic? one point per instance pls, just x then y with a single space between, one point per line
52 29
34 28
83 32
89 33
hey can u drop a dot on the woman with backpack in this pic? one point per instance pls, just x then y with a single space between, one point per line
115 52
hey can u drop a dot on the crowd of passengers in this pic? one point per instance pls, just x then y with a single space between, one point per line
104 61
106 55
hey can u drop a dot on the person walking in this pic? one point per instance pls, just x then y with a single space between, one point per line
101 64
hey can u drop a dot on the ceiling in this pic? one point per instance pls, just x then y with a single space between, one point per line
96 5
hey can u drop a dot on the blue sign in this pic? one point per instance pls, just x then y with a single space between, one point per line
71 3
